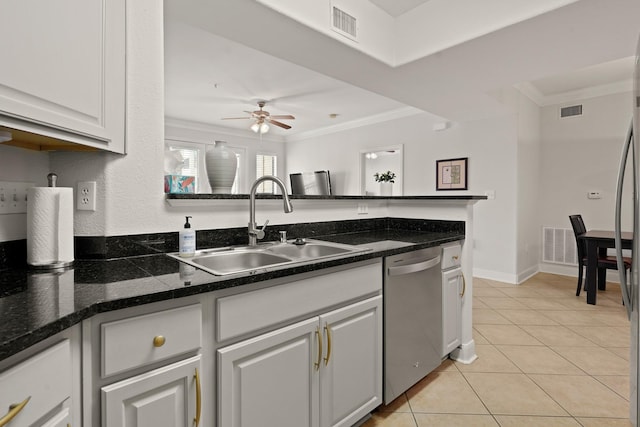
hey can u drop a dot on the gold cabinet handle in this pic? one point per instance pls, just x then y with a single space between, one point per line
328 331
317 363
464 286
158 341
196 420
13 411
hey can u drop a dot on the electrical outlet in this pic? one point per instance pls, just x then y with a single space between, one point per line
86 196
13 197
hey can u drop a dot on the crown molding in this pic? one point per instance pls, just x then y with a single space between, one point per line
531 92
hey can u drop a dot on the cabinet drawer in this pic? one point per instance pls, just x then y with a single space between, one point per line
141 340
45 378
252 311
451 255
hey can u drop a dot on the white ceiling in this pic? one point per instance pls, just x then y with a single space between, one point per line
396 8
208 77
220 64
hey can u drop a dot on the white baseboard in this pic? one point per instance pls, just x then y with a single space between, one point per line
466 353
498 276
563 270
572 271
527 274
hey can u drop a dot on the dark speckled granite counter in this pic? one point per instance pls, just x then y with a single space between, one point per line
34 306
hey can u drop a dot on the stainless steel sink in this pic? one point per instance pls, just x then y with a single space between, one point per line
309 250
234 262
266 256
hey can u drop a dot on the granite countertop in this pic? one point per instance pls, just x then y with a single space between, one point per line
35 306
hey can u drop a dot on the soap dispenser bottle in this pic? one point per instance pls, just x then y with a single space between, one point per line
187 240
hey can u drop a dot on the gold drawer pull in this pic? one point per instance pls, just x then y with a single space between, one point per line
316 364
158 341
196 420
328 331
13 411
464 286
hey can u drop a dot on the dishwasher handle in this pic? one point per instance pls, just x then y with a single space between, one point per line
413 268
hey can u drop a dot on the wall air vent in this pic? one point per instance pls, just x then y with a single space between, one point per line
573 110
559 246
344 23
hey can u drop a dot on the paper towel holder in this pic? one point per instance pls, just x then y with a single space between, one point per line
55 267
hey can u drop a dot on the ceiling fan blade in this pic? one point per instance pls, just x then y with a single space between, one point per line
282 116
235 118
277 123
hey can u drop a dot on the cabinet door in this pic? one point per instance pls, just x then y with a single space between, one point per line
271 380
65 76
165 397
43 382
61 419
451 310
351 371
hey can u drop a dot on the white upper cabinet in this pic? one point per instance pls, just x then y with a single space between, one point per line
63 72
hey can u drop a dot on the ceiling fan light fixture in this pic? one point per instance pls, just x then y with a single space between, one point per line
260 127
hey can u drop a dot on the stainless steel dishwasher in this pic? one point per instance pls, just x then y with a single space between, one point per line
412 319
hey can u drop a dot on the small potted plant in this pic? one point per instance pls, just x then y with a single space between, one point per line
386 180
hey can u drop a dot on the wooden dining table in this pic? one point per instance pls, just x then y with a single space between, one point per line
597 243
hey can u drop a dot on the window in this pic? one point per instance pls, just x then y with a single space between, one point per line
194 164
266 164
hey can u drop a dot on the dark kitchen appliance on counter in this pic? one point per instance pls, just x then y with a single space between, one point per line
412 319
311 183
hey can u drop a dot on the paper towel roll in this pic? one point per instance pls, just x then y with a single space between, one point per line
49 226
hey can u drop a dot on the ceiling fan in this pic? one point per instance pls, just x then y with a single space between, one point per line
263 119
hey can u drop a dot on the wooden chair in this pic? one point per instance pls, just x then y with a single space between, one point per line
604 262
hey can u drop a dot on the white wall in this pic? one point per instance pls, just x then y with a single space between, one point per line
20 165
529 140
489 144
581 154
528 191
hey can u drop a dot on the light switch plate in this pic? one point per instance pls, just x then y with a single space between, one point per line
13 197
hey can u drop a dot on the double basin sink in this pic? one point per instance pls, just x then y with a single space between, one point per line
270 255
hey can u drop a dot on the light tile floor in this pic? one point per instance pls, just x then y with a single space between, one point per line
545 358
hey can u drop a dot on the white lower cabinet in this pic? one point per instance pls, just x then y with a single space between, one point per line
320 372
351 371
60 419
38 391
166 397
452 294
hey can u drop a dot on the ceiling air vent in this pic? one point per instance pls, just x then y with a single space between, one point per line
574 110
344 23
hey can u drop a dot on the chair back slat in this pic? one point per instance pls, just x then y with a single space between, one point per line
579 228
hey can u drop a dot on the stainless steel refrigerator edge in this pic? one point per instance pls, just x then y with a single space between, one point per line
412 319
629 285
635 303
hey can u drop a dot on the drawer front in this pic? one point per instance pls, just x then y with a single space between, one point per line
451 255
45 378
251 311
141 340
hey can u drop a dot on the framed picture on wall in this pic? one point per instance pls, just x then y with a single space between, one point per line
451 174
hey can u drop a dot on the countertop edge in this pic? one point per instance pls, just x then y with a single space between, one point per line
17 344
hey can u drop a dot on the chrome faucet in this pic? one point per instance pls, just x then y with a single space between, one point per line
256 233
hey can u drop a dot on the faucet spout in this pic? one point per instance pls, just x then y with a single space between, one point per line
254 232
